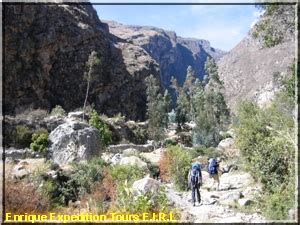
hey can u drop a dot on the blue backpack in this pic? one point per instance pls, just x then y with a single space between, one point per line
195 173
212 166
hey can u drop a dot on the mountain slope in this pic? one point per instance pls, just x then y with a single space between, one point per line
174 54
250 69
46 48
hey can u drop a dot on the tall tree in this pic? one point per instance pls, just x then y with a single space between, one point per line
157 109
211 109
92 66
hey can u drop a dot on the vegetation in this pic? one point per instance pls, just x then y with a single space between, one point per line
24 197
92 65
125 173
157 109
213 115
22 136
273 33
104 132
70 187
266 138
58 111
40 141
174 166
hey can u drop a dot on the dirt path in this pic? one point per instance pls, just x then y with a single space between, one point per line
215 205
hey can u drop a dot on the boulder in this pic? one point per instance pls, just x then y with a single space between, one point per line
226 143
133 161
230 197
153 157
19 172
130 151
74 141
76 115
116 159
244 202
146 186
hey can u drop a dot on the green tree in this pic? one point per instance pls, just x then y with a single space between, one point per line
212 113
92 65
157 109
104 132
266 138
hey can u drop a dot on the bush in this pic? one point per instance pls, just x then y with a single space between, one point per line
102 192
174 165
104 132
128 202
40 141
24 197
22 136
86 174
126 173
75 185
58 111
204 151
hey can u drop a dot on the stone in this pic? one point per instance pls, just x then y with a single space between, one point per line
116 159
133 161
226 143
19 172
76 115
244 202
130 151
74 141
230 197
146 186
154 157
121 147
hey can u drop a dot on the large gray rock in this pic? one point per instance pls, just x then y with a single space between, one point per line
74 141
146 186
133 161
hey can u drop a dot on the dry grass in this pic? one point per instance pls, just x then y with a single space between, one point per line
22 197
163 164
103 191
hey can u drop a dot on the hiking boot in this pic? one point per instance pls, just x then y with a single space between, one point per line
194 204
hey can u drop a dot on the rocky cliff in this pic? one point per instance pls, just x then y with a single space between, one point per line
250 69
173 53
45 51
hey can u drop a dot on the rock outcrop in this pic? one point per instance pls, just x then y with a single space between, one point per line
46 49
249 70
74 141
173 53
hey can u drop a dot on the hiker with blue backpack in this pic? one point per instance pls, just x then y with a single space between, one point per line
195 181
213 170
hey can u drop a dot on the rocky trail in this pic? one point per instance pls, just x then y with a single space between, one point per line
217 206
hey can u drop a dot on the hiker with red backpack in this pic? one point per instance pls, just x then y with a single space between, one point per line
195 181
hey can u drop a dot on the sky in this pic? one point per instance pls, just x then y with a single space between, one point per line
223 26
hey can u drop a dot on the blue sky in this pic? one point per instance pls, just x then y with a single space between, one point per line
223 25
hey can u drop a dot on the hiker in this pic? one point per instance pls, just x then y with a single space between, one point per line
214 170
195 181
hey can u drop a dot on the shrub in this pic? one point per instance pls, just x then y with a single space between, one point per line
128 202
58 110
102 192
75 185
24 197
202 150
40 141
22 136
104 132
86 174
123 173
175 164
